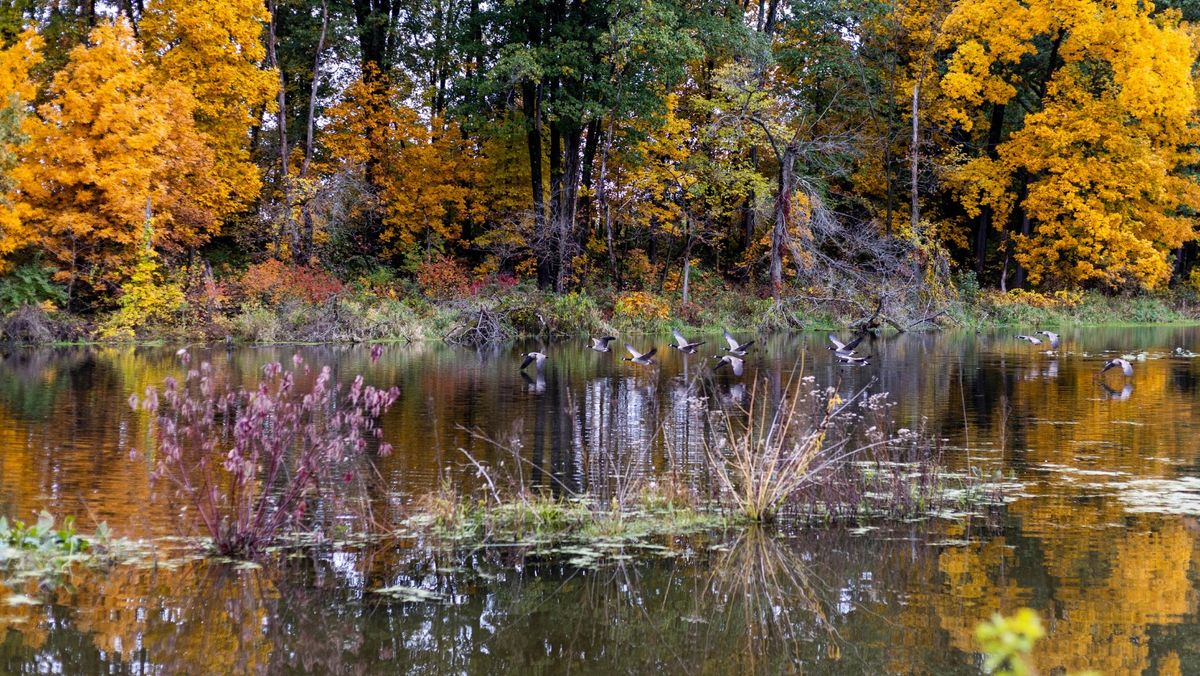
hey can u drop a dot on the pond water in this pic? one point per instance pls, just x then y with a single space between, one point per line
1100 531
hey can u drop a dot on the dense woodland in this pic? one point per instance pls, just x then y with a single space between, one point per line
156 153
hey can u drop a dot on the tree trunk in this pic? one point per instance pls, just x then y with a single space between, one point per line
783 209
605 207
915 159
591 141
567 202
984 223
687 260
288 226
306 238
531 104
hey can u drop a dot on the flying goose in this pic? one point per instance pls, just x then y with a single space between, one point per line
1030 339
531 357
1125 366
643 358
601 344
735 363
845 348
1052 337
682 343
736 349
851 359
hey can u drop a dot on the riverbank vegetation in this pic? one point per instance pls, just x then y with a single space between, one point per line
329 170
256 465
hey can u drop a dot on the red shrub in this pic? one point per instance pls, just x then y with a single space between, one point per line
274 281
443 277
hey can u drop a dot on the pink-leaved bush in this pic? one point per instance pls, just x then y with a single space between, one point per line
247 460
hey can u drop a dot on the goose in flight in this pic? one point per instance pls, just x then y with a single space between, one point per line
736 363
1030 339
737 349
845 348
1125 366
682 343
1052 337
643 358
531 357
851 359
601 344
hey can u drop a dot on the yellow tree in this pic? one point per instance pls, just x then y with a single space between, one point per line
1094 178
422 168
15 64
214 48
113 142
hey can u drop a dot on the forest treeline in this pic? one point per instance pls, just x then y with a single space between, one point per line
150 149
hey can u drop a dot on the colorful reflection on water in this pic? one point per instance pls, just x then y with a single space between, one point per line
1100 537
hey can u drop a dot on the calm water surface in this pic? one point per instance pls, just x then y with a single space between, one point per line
1100 536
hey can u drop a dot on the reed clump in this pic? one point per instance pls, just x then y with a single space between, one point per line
779 445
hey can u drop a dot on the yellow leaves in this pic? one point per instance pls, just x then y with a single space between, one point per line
214 48
16 63
641 306
1100 160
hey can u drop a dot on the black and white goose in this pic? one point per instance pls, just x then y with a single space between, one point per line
1030 339
682 343
851 359
1051 337
601 344
643 358
534 357
1125 366
735 363
735 348
839 347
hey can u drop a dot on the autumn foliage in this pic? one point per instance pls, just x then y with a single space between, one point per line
282 148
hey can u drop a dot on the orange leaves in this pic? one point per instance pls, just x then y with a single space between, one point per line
273 281
423 168
111 140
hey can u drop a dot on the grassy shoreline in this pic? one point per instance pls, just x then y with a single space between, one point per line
493 315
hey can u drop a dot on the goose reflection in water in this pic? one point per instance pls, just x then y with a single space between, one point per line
1117 395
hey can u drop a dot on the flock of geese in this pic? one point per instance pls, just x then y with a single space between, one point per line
735 354
1053 342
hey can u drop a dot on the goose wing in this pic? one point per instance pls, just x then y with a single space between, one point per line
651 353
529 359
837 344
1125 366
733 344
679 339
635 353
854 343
745 346
737 365
1030 339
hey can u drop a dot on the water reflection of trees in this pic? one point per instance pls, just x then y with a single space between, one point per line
1107 583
